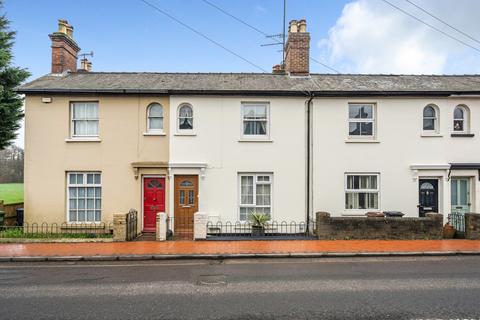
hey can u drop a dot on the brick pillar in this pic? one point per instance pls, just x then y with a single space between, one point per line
161 232
323 225
119 227
200 220
472 226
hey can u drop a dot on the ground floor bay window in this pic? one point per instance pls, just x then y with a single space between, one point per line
361 191
255 194
84 197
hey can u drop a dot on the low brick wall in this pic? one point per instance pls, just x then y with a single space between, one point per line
472 226
330 228
10 212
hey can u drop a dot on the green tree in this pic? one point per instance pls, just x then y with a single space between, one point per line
10 77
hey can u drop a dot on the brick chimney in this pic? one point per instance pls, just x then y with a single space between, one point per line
297 51
64 48
85 65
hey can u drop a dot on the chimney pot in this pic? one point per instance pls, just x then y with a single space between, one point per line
70 31
62 26
293 27
302 25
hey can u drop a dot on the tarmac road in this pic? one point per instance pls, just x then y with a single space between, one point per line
333 288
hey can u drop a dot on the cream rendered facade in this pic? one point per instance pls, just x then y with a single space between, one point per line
401 152
51 152
216 151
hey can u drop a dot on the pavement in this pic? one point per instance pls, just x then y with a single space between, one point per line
147 250
320 288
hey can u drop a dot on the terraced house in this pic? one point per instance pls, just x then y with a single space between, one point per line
287 144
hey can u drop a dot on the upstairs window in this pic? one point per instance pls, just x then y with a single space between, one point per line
460 119
185 117
155 118
361 120
84 119
255 120
430 118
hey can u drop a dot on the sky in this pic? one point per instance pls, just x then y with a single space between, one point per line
351 36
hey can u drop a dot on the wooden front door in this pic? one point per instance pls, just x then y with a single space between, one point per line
153 202
186 204
428 196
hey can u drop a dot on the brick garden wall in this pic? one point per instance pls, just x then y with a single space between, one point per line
329 228
472 226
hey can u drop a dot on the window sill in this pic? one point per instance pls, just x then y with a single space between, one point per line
83 140
462 135
431 135
256 140
350 140
154 134
185 134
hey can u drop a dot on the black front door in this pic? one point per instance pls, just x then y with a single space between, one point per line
428 196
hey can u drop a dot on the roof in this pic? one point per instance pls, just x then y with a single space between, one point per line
253 84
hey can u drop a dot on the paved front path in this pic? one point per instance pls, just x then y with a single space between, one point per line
237 247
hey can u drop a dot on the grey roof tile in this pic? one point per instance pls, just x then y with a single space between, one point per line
177 83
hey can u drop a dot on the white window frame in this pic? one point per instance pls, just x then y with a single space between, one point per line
178 119
255 182
72 121
373 120
155 131
346 190
265 136
436 119
83 185
466 119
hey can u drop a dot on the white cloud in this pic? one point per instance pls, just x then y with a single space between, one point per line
372 37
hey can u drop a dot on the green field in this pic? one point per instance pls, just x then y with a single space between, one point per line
11 192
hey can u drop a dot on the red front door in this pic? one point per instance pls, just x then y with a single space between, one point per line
153 202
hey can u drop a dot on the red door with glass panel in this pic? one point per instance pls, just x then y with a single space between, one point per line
153 202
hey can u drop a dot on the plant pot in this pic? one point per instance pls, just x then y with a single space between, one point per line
448 231
258 231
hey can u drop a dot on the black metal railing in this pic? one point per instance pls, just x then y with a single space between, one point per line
457 221
45 230
131 225
182 227
270 231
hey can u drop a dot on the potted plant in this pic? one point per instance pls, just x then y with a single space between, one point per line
258 220
448 231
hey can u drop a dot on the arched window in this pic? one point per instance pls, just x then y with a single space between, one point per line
460 119
430 118
155 118
185 117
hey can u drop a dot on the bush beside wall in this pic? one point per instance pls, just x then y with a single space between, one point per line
331 228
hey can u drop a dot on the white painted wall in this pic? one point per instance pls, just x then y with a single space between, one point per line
400 144
217 127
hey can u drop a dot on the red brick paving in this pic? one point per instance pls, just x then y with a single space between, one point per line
235 247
